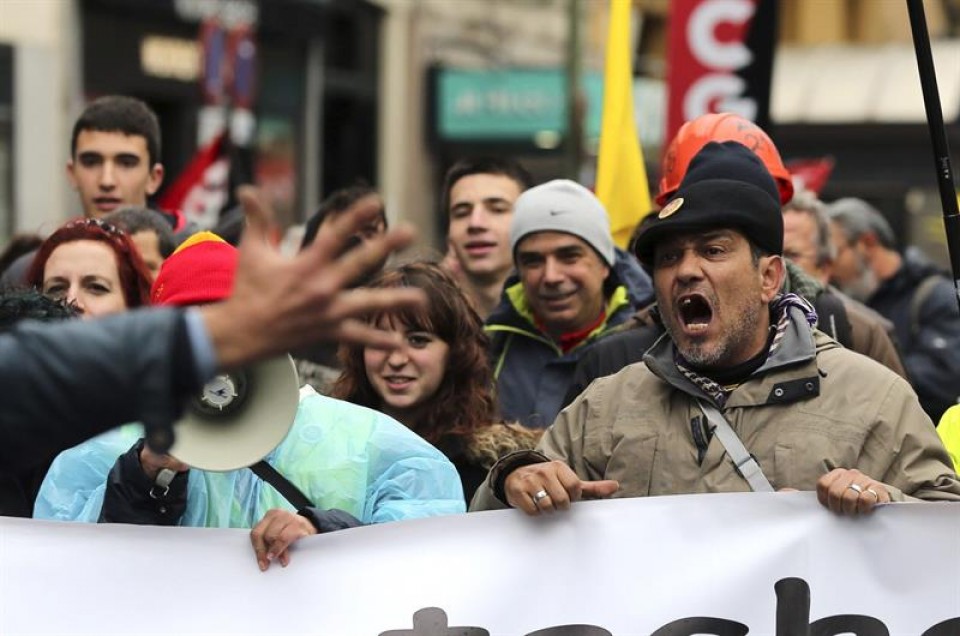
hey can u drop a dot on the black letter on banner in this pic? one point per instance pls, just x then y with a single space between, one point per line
571 630
432 621
849 624
702 625
793 607
949 627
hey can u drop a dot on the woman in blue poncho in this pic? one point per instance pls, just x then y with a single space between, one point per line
357 466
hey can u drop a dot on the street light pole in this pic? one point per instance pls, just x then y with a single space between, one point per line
573 142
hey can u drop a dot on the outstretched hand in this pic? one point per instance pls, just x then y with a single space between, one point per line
279 304
551 486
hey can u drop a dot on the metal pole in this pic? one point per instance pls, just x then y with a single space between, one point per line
938 135
574 137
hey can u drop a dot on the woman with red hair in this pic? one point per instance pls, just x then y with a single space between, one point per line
92 265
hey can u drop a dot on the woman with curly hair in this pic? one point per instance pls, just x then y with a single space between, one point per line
439 382
92 265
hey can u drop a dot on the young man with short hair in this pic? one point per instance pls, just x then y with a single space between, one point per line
115 155
114 162
149 231
478 197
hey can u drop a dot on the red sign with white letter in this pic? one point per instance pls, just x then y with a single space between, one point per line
711 56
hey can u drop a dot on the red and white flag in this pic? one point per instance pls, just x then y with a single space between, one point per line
201 190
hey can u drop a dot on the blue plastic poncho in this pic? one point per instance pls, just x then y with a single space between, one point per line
339 454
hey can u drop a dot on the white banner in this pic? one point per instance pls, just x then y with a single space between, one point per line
671 566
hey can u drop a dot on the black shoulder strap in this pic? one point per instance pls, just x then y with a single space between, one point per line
833 319
284 486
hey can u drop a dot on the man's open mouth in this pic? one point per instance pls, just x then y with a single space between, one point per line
695 312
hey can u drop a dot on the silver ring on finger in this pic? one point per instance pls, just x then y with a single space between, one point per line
857 489
539 496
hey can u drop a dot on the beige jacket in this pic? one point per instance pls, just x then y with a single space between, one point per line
813 406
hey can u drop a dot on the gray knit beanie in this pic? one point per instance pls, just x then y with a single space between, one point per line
562 205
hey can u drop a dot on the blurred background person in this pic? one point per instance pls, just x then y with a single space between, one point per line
806 235
115 161
439 383
17 246
318 366
115 155
93 266
807 244
908 290
149 231
478 197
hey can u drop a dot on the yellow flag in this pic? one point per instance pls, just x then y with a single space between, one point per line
621 175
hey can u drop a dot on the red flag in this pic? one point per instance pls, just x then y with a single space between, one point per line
200 191
719 59
811 174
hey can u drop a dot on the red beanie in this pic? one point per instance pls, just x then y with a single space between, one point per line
200 271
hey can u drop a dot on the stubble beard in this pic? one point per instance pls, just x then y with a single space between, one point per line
714 354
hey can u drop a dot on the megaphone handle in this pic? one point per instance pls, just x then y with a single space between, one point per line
284 486
158 435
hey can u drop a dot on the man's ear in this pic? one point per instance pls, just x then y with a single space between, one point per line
156 178
772 273
71 177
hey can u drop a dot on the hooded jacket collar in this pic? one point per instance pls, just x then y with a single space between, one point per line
793 361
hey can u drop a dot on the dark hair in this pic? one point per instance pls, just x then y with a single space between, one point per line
338 201
18 245
133 219
119 113
483 165
463 402
133 274
28 303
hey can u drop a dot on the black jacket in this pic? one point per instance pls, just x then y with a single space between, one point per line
927 330
66 382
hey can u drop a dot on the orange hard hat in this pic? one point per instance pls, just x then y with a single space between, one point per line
695 134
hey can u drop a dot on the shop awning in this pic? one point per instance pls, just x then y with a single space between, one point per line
836 84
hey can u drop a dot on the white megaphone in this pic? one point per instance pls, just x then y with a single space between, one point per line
238 417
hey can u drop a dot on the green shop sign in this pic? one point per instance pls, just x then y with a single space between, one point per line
511 105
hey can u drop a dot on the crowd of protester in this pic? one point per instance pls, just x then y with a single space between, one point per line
751 338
